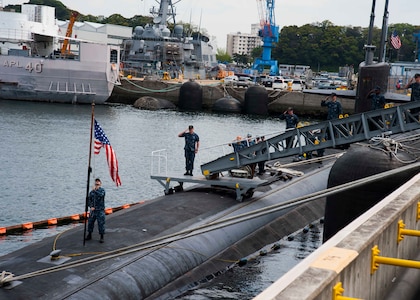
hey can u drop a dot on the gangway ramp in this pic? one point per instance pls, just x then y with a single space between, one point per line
243 187
327 134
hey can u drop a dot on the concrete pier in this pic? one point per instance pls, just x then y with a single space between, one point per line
304 103
346 259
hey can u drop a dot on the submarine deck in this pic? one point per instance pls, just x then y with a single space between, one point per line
141 225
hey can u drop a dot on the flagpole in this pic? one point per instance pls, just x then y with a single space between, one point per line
89 171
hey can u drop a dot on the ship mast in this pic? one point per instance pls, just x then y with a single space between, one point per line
384 34
369 48
165 13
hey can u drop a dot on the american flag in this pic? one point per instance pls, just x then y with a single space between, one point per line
101 140
395 40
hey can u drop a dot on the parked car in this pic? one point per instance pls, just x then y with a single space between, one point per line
298 85
245 82
279 84
326 84
231 80
266 81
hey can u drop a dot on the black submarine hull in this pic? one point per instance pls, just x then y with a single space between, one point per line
169 266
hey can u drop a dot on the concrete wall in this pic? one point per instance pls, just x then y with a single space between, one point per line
308 104
346 257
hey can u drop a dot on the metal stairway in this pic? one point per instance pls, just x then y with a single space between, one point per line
333 133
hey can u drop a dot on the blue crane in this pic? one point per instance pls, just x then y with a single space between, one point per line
417 51
269 33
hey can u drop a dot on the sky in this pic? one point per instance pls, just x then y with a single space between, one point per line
221 17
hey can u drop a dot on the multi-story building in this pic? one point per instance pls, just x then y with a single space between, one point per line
242 43
96 32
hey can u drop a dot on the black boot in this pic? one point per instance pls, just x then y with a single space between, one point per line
89 236
102 239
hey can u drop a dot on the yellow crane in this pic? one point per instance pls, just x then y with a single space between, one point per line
64 50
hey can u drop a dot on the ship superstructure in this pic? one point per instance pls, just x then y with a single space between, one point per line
155 49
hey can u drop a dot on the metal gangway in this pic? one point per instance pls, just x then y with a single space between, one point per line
243 187
333 133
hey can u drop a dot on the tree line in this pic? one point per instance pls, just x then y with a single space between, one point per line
325 47
322 45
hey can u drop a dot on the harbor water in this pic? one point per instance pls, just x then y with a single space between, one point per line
44 172
262 269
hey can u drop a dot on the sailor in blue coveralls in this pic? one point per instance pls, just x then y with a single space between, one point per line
334 107
96 202
414 85
291 122
192 143
378 100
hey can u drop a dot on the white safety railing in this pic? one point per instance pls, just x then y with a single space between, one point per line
159 162
12 34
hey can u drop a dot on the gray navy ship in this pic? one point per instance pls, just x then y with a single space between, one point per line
154 49
37 64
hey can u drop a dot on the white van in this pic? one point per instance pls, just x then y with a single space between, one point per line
230 80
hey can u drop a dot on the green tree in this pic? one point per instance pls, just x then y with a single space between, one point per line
88 18
325 46
222 56
256 52
241 59
407 52
116 19
139 21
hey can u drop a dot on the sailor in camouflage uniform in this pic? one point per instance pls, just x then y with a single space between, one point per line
96 202
192 143
334 107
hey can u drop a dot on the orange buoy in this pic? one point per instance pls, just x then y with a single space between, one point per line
52 221
75 217
27 226
58 221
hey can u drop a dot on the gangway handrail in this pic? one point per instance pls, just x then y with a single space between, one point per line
159 162
210 153
327 134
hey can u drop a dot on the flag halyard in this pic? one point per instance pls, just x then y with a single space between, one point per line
101 141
